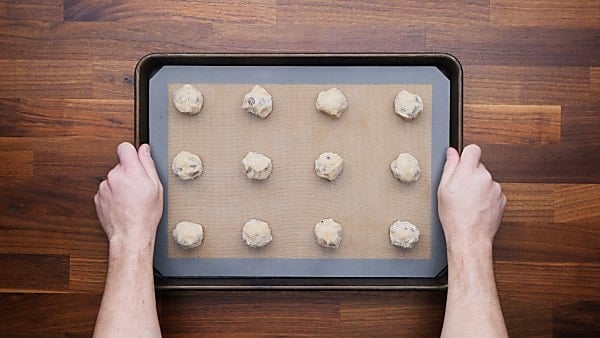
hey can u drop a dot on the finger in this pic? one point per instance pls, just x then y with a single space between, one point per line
452 160
470 157
485 172
98 201
111 177
98 204
103 188
496 189
128 157
148 164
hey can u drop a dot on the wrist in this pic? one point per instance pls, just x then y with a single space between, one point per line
471 264
469 248
138 249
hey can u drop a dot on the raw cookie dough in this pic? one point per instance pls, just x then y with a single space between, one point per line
188 99
188 235
406 168
257 166
329 165
258 102
332 102
328 233
408 105
256 233
187 165
404 234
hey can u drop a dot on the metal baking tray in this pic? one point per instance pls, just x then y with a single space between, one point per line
253 273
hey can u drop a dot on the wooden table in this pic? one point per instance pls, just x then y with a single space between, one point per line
532 96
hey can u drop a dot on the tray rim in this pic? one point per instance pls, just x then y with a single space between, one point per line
148 65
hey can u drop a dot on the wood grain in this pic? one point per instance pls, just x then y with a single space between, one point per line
534 85
30 199
378 314
575 202
114 80
16 156
306 37
47 10
48 314
63 117
532 95
564 163
98 41
555 13
405 13
511 124
34 273
527 317
272 313
524 46
51 236
229 11
580 125
595 84
528 202
45 79
55 156
539 241
550 282
579 319
87 275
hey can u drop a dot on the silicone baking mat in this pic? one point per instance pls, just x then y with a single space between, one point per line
366 199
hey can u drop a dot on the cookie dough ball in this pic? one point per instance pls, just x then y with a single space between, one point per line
187 165
328 233
188 99
258 102
257 166
332 102
188 235
256 233
404 234
408 105
329 166
406 168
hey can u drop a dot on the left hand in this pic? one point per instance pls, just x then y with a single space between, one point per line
129 203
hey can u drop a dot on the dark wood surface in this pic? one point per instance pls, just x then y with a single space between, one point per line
532 96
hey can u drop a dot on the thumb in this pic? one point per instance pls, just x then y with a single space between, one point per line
452 160
148 163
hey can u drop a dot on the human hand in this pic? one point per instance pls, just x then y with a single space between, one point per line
129 202
470 203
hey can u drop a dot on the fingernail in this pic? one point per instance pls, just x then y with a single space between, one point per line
448 152
147 149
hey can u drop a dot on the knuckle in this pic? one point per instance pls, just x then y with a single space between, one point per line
102 187
487 174
112 175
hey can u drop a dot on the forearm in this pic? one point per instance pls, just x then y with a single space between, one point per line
128 306
472 305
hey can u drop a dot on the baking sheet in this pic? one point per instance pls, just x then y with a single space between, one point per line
356 196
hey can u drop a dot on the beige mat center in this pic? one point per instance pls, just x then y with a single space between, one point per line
365 199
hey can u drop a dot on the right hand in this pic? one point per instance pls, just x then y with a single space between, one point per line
470 203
